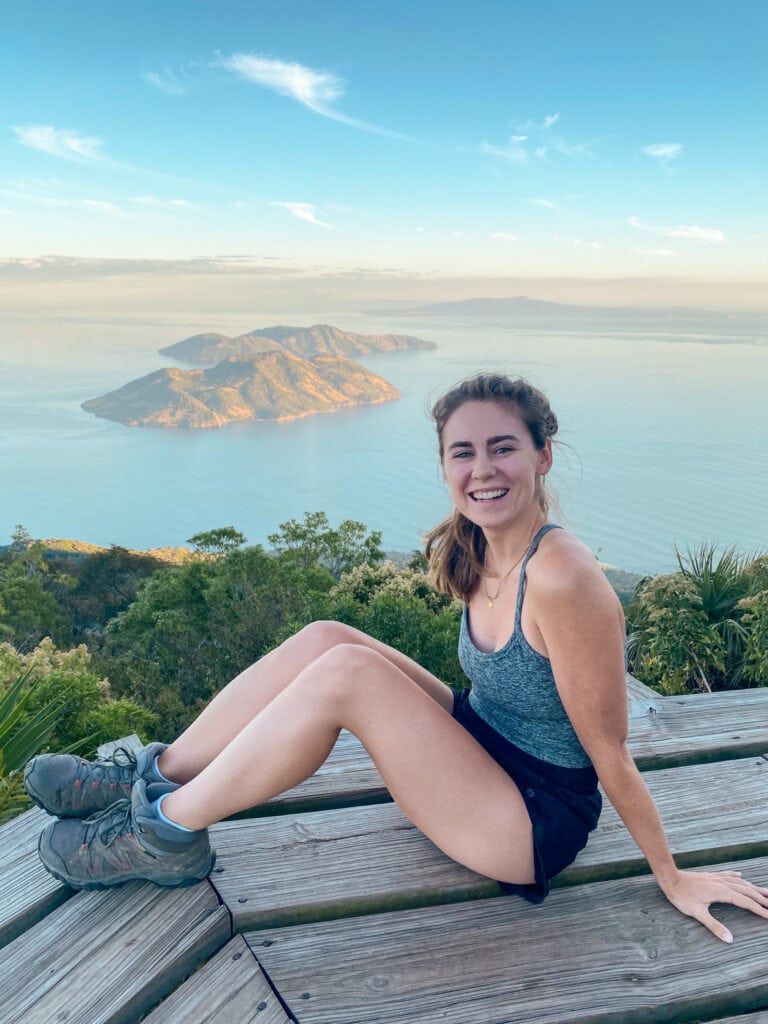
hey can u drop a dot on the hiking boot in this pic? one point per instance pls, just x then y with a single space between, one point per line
126 841
71 787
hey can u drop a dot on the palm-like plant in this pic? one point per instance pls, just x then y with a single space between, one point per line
21 737
721 582
702 627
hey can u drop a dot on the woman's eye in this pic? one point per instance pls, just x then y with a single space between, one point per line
461 455
503 449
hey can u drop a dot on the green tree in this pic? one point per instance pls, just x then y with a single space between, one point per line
28 612
66 680
217 542
106 583
314 542
195 626
401 608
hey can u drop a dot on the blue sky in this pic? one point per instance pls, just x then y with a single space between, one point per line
403 141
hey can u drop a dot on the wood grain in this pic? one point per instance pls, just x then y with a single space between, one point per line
604 953
106 957
230 989
27 891
298 868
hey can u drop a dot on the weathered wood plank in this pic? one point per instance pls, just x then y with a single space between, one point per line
230 989
701 727
640 691
298 868
604 953
27 891
106 957
131 742
663 732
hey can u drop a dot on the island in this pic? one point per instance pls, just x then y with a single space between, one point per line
306 342
271 385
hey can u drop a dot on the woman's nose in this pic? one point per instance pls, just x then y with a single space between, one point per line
482 468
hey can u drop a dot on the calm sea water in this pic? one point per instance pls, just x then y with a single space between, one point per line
666 434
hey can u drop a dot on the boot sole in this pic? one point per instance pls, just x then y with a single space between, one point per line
171 883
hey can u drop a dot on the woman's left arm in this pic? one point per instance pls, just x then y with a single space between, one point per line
582 626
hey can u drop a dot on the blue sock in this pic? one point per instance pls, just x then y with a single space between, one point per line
157 808
156 769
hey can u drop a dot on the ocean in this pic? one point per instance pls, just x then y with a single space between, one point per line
664 437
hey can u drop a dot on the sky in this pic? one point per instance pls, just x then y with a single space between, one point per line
583 151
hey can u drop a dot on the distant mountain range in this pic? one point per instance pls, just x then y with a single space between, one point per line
520 305
273 373
306 342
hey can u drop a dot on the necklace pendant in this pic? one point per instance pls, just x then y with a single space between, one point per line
490 603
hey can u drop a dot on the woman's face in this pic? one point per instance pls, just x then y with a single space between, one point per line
491 464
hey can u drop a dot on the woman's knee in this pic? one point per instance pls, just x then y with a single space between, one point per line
319 637
344 672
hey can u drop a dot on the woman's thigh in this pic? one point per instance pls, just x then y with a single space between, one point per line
443 780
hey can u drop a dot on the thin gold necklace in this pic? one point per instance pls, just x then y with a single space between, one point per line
506 575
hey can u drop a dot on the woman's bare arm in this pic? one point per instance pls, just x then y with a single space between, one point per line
581 624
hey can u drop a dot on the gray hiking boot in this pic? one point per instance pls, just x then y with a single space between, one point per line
71 787
124 842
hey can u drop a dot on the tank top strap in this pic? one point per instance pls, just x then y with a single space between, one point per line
532 548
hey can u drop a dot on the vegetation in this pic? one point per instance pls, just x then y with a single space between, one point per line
703 627
99 643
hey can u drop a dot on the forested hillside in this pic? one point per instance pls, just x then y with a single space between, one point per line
98 643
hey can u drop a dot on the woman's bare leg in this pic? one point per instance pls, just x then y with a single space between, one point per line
250 692
441 778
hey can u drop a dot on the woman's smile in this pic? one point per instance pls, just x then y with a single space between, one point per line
491 464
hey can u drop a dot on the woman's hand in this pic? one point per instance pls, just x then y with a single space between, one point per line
692 892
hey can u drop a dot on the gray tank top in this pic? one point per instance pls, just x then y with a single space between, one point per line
514 691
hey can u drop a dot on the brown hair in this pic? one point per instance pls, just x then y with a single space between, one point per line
455 548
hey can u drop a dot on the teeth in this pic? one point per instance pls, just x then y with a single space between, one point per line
487 495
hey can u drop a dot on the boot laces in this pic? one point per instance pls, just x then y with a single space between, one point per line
108 825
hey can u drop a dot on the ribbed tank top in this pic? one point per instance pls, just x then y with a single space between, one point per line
514 691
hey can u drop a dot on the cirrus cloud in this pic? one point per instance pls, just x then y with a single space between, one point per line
315 89
303 211
664 151
59 142
691 231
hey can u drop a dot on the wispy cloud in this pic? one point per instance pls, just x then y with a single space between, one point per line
580 243
502 236
315 89
64 268
38 193
304 211
533 139
166 81
514 150
155 201
548 204
664 152
59 142
101 206
691 231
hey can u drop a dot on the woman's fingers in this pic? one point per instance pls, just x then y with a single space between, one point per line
716 927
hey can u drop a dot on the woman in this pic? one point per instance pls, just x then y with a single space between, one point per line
502 778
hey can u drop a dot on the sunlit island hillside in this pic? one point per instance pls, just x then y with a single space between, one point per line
276 373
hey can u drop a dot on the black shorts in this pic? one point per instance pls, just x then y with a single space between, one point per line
564 804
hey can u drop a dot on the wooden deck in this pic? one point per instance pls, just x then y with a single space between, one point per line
328 907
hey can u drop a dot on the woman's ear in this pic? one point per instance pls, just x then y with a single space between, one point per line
545 458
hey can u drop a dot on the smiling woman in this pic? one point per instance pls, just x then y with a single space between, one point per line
502 777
